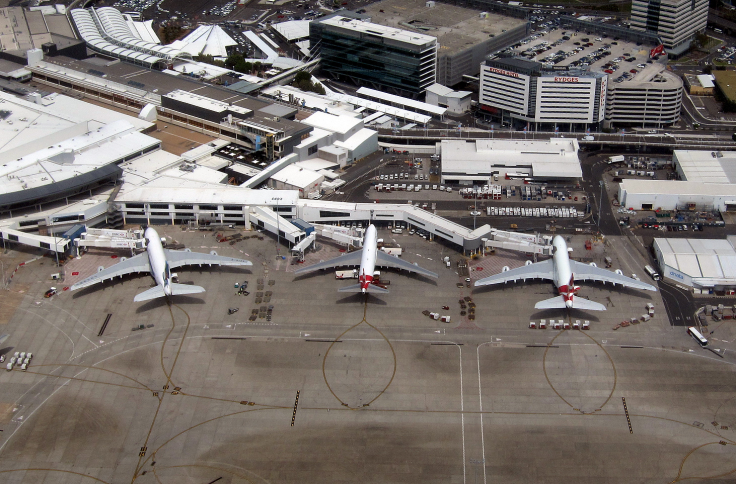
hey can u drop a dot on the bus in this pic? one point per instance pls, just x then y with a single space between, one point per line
697 336
652 273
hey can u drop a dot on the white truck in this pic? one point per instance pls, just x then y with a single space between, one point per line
347 274
616 159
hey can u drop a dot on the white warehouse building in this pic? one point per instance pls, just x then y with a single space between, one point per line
468 162
673 195
706 265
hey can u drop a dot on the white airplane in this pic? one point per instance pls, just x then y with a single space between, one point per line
368 259
159 262
564 272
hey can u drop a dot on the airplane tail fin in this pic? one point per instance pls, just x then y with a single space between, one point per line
176 290
153 293
179 289
558 302
372 288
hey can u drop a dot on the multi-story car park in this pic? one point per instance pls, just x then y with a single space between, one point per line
652 97
569 79
466 33
675 21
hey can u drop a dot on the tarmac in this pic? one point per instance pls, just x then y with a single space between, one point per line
339 388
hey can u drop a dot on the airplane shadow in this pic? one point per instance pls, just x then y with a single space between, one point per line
161 302
6 350
359 297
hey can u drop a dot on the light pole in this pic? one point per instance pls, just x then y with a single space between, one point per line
475 209
278 228
600 202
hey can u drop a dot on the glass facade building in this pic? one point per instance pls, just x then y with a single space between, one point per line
372 55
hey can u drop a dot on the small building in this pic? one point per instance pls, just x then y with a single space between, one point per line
676 195
456 102
343 132
700 85
293 177
706 265
469 162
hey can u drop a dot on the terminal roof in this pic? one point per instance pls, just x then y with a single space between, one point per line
554 158
706 166
711 259
456 27
383 31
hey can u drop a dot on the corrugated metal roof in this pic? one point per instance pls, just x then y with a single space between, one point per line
707 261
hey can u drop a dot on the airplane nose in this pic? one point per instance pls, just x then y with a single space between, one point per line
568 303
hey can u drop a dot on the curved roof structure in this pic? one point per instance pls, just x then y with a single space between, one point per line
105 30
206 40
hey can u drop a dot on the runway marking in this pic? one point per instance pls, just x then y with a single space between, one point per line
393 353
55 470
206 467
296 406
682 464
544 367
626 411
176 391
86 367
83 336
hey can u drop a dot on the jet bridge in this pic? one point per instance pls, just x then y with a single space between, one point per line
117 239
528 243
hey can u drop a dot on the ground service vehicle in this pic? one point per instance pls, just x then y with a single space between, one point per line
652 273
692 331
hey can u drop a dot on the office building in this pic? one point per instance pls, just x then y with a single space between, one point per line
386 58
675 21
466 32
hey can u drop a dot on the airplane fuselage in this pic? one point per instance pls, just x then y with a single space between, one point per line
157 258
368 259
563 276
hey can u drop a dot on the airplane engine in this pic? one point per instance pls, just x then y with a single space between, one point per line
528 263
593 264
505 269
619 272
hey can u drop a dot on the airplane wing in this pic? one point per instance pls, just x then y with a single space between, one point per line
138 263
538 270
178 258
385 260
586 272
349 259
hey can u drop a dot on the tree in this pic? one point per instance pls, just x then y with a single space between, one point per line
302 76
233 59
319 89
